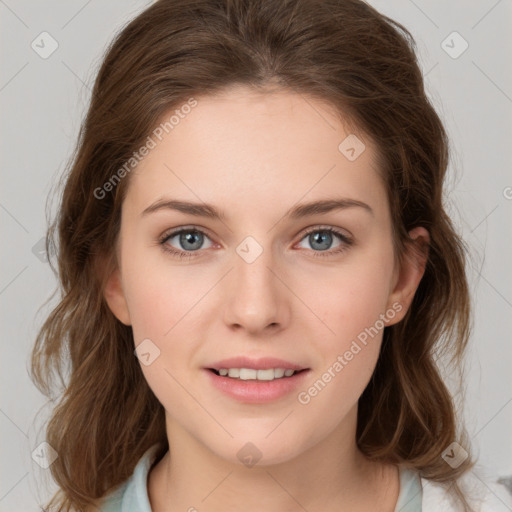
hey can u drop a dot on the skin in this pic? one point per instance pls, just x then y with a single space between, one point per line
253 156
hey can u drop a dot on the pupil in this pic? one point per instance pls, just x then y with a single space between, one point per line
189 238
321 235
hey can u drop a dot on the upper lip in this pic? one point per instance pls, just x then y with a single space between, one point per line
263 363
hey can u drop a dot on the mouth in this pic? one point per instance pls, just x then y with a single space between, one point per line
256 381
253 374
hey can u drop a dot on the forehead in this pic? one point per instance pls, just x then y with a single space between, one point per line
244 147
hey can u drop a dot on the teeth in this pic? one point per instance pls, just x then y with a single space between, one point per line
265 374
246 374
251 374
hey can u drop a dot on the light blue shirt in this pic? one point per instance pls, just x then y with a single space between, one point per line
132 495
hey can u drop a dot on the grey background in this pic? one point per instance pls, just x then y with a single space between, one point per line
42 102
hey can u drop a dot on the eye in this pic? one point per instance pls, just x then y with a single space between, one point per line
183 242
321 240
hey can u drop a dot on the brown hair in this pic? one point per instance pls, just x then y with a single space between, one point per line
342 52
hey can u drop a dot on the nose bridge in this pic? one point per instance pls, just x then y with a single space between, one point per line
257 298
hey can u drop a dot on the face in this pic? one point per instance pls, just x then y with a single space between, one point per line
249 272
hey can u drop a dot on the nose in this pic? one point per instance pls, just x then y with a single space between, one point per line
257 300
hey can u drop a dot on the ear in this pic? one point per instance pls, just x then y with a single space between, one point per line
114 295
407 278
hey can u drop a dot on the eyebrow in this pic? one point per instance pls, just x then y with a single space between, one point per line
296 212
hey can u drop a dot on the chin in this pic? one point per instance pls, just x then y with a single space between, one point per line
258 451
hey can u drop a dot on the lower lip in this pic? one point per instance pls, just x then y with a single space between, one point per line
257 391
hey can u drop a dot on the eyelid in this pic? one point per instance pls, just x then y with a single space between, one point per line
306 231
191 227
346 239
325 227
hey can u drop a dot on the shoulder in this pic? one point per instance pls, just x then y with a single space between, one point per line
111 502
131 494
96 506
481 493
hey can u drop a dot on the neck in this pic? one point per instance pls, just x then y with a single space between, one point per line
331 475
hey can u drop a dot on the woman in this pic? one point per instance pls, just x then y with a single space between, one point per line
258 273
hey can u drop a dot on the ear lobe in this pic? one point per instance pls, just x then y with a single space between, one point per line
114 295
411 271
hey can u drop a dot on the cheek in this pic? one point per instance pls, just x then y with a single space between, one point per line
349 353
353 305
352 298
162 310
161 297
165 305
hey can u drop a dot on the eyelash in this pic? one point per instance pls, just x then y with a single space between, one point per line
347 242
